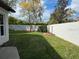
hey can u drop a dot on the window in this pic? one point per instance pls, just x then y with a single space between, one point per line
1 25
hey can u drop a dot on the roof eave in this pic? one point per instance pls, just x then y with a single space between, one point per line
6 7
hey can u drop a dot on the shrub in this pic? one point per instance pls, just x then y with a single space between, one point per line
42 28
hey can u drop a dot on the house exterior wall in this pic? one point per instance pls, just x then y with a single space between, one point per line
5 37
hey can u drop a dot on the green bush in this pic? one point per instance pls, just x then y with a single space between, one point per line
42 28
34 23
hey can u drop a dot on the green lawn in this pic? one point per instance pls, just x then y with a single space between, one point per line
37 45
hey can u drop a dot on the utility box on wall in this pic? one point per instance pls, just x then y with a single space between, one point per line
4 33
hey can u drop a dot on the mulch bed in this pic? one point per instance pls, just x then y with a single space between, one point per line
47 34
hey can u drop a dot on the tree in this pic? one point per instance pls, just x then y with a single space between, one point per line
12 20
62 4
36 9
11 3
59 13
15 21
33 9
28 7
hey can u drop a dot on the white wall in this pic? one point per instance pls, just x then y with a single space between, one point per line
5 37
67 31
23 27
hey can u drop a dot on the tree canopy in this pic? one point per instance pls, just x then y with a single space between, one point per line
33 9
59 14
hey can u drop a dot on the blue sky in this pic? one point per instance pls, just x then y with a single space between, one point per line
50 4
49 7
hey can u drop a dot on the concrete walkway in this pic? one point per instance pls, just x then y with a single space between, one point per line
9 53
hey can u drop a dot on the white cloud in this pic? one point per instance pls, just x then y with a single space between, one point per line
74 5
42 2
17 14
46 15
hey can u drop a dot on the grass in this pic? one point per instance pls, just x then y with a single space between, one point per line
35 45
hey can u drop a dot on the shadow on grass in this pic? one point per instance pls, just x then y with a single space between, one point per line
32 46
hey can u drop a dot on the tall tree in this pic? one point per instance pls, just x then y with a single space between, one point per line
38 10
60 10
33 9
59 13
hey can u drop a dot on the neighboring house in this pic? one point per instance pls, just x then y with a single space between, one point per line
4 10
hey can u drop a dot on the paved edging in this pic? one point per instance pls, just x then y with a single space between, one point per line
9 53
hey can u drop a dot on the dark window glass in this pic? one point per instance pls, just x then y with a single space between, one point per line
2 30
1 19
1 25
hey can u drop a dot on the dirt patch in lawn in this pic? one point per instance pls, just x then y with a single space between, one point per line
47 34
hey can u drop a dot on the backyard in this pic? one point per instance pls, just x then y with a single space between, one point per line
37 45
33 29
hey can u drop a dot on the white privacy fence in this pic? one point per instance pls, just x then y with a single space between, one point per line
23 27
67 31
